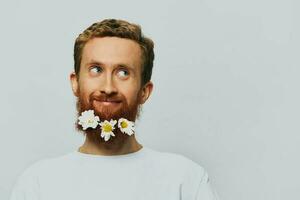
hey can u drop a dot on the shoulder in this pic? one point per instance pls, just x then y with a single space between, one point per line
194 179
32 169
41 166
27 183
180 163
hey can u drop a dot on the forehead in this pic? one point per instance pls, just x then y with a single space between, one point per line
112 51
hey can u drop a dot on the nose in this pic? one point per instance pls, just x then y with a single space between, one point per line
108 86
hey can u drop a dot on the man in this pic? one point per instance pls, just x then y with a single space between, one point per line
111 80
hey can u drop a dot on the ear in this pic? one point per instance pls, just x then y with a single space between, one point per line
146 91
74 83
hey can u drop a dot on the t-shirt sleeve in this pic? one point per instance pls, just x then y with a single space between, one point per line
26 187
196 184
205 191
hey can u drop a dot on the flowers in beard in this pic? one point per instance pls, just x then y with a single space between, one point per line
87 119
126 126
107 128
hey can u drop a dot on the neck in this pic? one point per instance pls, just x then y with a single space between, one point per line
115 146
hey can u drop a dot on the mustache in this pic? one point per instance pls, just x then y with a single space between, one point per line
105 97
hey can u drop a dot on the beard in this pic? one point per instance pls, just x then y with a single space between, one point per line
120 110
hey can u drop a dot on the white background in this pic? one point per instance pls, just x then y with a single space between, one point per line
226 87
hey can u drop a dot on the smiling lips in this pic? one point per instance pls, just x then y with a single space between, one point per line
108 103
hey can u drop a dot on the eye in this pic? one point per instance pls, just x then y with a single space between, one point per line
123 73
96 69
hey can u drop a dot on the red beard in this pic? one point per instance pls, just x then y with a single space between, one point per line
117 111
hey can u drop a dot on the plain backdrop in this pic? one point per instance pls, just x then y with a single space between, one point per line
226 87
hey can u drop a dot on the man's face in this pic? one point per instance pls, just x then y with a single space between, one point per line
110 79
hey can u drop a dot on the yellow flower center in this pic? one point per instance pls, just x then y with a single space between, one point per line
124 124
107 127
90 121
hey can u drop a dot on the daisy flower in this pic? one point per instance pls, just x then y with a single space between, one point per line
107 128
126 126
88 119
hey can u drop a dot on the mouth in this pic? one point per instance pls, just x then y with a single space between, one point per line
108 103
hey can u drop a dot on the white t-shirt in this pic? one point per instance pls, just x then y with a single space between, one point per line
146 174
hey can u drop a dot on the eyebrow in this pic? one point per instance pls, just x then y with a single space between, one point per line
95 62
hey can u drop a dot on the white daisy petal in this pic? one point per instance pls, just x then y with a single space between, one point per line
106 129
107 136
113 122
88 119
126 126
102 134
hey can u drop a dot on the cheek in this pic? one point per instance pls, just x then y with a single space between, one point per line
130 93
87 85
85 89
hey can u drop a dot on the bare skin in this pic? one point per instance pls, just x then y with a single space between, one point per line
111 54
130 146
